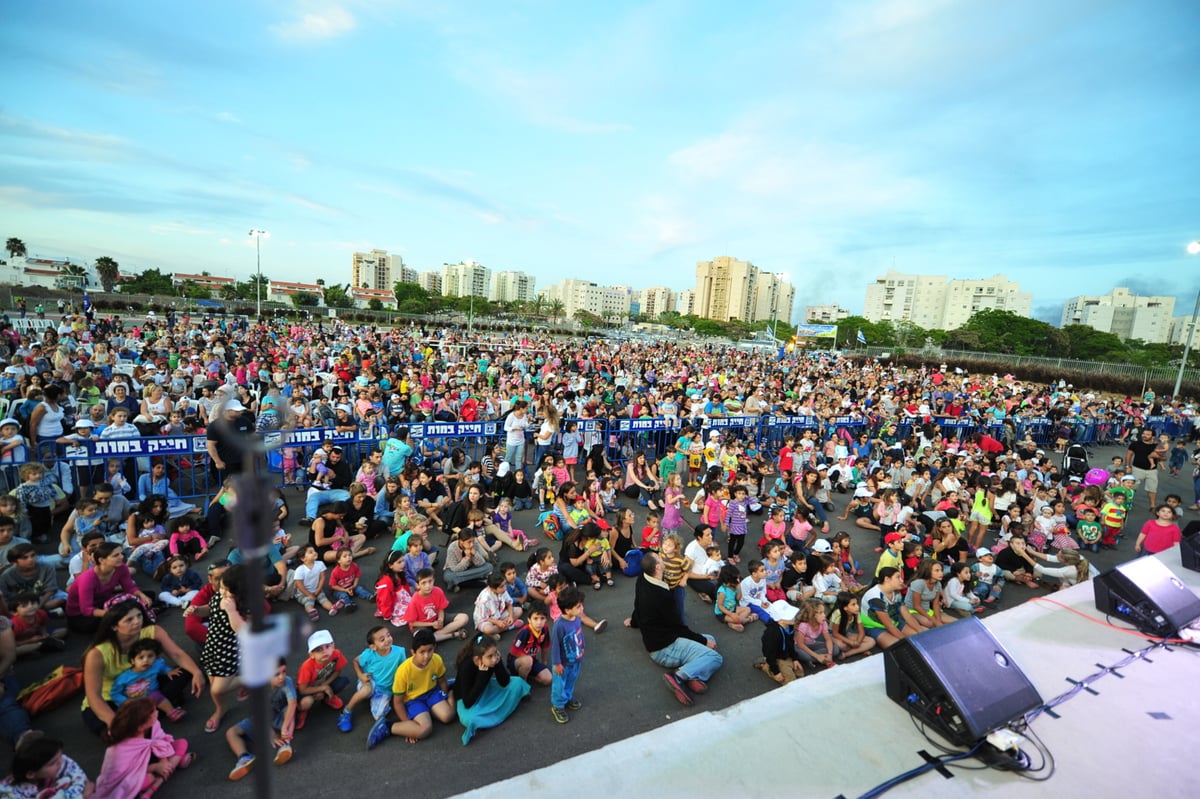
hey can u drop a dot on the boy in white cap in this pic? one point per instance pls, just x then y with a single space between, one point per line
12 443
320 676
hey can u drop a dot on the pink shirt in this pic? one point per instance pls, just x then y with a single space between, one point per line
1159 537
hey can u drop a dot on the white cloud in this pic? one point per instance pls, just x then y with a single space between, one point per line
171 228
227 116
316 24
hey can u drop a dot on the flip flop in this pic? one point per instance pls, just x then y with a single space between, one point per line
213 724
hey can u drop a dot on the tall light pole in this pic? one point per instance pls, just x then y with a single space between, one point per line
258 235
1193 249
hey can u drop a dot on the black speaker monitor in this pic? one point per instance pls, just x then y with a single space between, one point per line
1145 593
959 680
1189 549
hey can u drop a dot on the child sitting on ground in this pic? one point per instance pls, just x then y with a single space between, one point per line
146 666
283 725
320 675
179 583
376 669
134 737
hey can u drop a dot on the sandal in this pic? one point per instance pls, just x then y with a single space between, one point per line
213 724
313 614
176 714
188 760
243 694
596 585
460 635
610 582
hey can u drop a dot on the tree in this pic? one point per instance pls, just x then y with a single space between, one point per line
410 291
375 304
587 318
1007 332
556 309
877 334
338 296
15 248
107 270
302 299
194 291
1089 344
229 292
150 281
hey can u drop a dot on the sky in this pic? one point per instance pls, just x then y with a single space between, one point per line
1053 142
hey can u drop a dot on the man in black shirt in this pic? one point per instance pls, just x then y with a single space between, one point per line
1016 563
692 657
1142 462
225 438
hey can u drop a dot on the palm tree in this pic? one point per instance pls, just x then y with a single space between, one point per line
556 309
229 292
15 247
107 270
539 305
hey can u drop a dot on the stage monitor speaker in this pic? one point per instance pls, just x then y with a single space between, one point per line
959 680
1189 547
1146 594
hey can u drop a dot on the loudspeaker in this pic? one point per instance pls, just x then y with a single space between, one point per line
959 680
1189 547
1145 593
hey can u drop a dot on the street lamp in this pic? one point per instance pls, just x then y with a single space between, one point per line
258 235
1193 249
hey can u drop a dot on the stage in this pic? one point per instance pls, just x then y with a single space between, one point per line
837 734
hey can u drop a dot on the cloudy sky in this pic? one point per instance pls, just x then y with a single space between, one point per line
1050 140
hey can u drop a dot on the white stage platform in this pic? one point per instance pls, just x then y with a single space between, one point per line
837 734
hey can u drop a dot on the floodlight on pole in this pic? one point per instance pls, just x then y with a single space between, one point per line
1193 248
258 235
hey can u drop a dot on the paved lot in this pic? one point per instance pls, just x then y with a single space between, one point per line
622 691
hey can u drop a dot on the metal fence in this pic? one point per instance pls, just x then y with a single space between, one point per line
1165 374
82 466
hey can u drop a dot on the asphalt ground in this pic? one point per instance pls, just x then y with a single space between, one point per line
621 689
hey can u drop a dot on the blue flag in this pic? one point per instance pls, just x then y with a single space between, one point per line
861 338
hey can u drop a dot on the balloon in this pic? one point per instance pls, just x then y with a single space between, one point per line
1096 477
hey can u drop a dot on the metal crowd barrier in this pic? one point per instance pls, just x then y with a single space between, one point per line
82 466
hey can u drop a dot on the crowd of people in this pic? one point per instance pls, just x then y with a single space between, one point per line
101 547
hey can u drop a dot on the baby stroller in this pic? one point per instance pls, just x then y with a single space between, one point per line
1075 461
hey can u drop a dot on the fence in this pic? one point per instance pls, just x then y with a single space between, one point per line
81 466
1148 374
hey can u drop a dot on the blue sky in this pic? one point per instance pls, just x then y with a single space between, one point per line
1053 141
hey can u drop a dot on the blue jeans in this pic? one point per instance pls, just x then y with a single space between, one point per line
515 455
316 499
690 659
562 688
524 503
359 592
13 718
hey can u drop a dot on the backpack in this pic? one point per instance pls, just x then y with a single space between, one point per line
52 690
550 524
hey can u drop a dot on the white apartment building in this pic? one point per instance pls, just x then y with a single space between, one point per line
825 314
371 270
400 272
773 299
728 289
654 300
937 303
685 303
431 281
603 301
1126 315
512 287
466 279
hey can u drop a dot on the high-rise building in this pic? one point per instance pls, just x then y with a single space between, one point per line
466 279
935 302
431 281
654 300
728 289
773 298
685 303
400 272
825 314
607 302
1124 314
512 287
372 270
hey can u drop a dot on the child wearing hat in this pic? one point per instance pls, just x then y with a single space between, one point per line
320 676
12 443
989 578
892 553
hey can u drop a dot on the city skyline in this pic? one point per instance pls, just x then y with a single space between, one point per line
618 144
